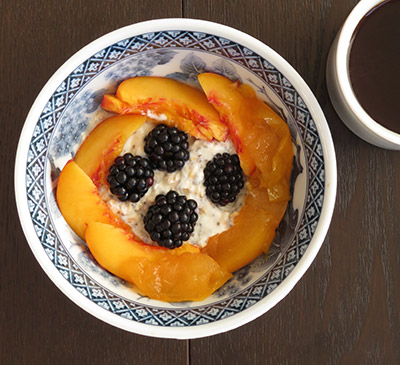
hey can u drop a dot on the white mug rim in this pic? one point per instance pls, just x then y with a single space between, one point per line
343 74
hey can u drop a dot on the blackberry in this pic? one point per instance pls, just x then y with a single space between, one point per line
223 178
130 177
167 147
171 219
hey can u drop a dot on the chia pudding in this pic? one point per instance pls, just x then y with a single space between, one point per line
212 219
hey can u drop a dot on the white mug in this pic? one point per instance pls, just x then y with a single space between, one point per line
339 86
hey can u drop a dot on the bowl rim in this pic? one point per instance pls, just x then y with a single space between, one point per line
194 25
343 75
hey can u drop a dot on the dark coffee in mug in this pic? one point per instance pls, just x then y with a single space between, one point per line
374 64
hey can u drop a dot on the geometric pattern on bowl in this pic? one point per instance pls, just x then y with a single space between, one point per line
54 142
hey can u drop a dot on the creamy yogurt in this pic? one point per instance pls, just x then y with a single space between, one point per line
188 181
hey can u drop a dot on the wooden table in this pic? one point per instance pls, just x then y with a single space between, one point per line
346 307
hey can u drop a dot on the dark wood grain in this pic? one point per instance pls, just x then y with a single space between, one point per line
346 307
38 324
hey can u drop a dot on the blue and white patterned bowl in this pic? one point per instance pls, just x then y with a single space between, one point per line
69 105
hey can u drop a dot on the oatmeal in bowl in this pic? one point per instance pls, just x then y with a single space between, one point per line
179 193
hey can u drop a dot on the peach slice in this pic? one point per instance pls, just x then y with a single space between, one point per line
230 103
272 152
169 275
261 138
104 143
182 105
79 201
252 233
263 143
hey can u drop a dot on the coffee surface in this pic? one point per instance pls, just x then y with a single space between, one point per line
374 64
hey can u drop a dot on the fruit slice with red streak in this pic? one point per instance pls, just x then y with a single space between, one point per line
261 138
183 106
227 98
79 201
169 275
104 143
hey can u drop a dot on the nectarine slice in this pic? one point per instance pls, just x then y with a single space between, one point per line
169 275
263 143
184 106
261 138
252 233
79 201
104 143
231 105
